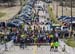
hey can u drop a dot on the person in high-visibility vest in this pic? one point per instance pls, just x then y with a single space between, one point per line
52 46
56 45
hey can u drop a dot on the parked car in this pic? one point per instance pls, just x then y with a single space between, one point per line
15 23
68 20
62 18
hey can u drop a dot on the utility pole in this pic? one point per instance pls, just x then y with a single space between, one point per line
62 7
57 9
66 6
71 21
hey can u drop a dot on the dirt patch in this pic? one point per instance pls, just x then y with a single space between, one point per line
10 12
2 14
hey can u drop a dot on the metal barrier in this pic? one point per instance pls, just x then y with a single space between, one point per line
46 44
6 46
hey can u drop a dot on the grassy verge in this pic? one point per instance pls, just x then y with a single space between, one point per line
53 18
2 14
23 2
70 42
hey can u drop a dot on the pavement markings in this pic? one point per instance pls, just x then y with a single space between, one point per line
35 49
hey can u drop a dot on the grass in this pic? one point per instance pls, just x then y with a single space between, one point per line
23 2
51 14
70 42
2 14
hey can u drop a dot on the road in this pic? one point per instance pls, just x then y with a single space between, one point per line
33 50
43 49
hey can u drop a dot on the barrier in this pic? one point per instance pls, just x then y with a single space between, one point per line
6 46
38 44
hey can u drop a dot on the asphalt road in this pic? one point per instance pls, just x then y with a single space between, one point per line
33 50
39 50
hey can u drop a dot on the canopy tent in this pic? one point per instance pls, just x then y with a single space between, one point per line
56 25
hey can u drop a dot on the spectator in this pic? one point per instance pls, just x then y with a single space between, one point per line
22 41
14 39
51 37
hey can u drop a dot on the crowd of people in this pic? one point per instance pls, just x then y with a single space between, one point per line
29 37
23 38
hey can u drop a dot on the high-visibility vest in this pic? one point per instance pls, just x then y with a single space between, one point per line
56 44
52 44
